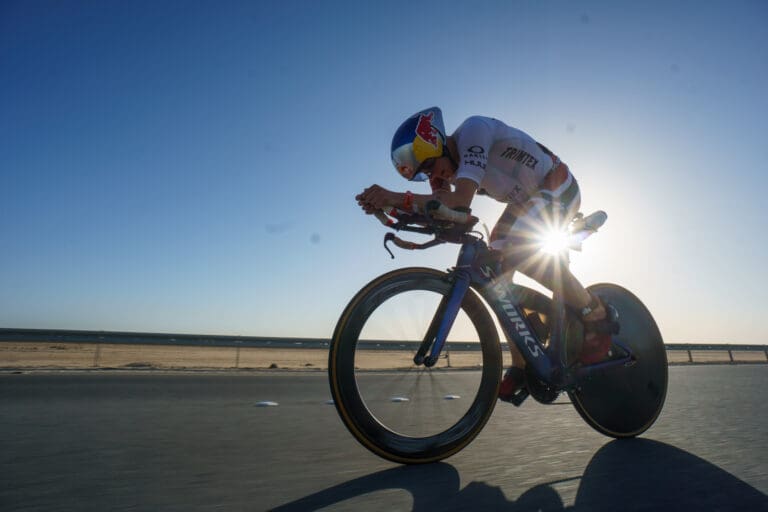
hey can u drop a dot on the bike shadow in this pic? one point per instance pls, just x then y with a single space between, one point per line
633 474
641 474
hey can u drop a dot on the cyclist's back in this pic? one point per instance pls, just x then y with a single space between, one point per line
506 163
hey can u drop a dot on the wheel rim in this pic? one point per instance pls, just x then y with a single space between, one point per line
399 410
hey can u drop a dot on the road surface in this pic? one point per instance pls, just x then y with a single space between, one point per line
197 441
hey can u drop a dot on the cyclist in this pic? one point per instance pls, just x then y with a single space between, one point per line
487 157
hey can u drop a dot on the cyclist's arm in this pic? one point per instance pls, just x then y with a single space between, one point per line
460 197
376 197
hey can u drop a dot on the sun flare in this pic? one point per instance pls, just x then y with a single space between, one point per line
555 241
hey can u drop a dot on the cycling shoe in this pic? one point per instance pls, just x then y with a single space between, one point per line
512 388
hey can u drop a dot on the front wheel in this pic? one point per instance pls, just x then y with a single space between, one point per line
625 401
401 411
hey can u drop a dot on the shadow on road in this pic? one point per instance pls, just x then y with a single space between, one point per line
634 474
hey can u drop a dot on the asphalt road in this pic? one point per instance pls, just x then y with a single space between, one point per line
197 441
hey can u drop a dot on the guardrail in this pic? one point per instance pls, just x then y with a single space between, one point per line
122 337
118 337
687 350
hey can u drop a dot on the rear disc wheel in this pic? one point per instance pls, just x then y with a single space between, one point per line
625 401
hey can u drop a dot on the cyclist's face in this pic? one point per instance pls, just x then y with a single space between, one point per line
443 169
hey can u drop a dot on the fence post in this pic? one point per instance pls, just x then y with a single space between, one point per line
97 355
730 354
690 357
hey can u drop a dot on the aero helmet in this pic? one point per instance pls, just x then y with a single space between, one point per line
420 137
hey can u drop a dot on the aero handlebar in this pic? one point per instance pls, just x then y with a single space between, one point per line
435 211
448 225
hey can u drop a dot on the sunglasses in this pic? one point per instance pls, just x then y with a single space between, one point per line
424 170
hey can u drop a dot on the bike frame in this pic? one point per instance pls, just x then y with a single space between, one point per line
504 298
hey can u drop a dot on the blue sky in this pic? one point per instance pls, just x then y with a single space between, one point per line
192 166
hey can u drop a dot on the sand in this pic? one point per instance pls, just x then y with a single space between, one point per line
31 355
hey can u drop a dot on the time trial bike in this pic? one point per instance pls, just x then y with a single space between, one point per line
415 361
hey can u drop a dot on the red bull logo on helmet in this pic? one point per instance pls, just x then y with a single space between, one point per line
420 137
425 130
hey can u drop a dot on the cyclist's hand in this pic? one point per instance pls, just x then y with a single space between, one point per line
375 198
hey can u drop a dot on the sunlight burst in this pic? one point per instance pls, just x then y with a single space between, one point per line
555 241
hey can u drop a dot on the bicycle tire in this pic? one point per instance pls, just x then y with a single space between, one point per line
356 416
624 402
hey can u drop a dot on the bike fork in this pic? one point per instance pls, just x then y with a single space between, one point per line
442 322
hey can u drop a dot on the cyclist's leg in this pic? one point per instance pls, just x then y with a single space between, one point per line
597 338
519 239
518 235
515 236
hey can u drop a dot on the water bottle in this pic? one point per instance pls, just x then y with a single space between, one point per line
595 220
